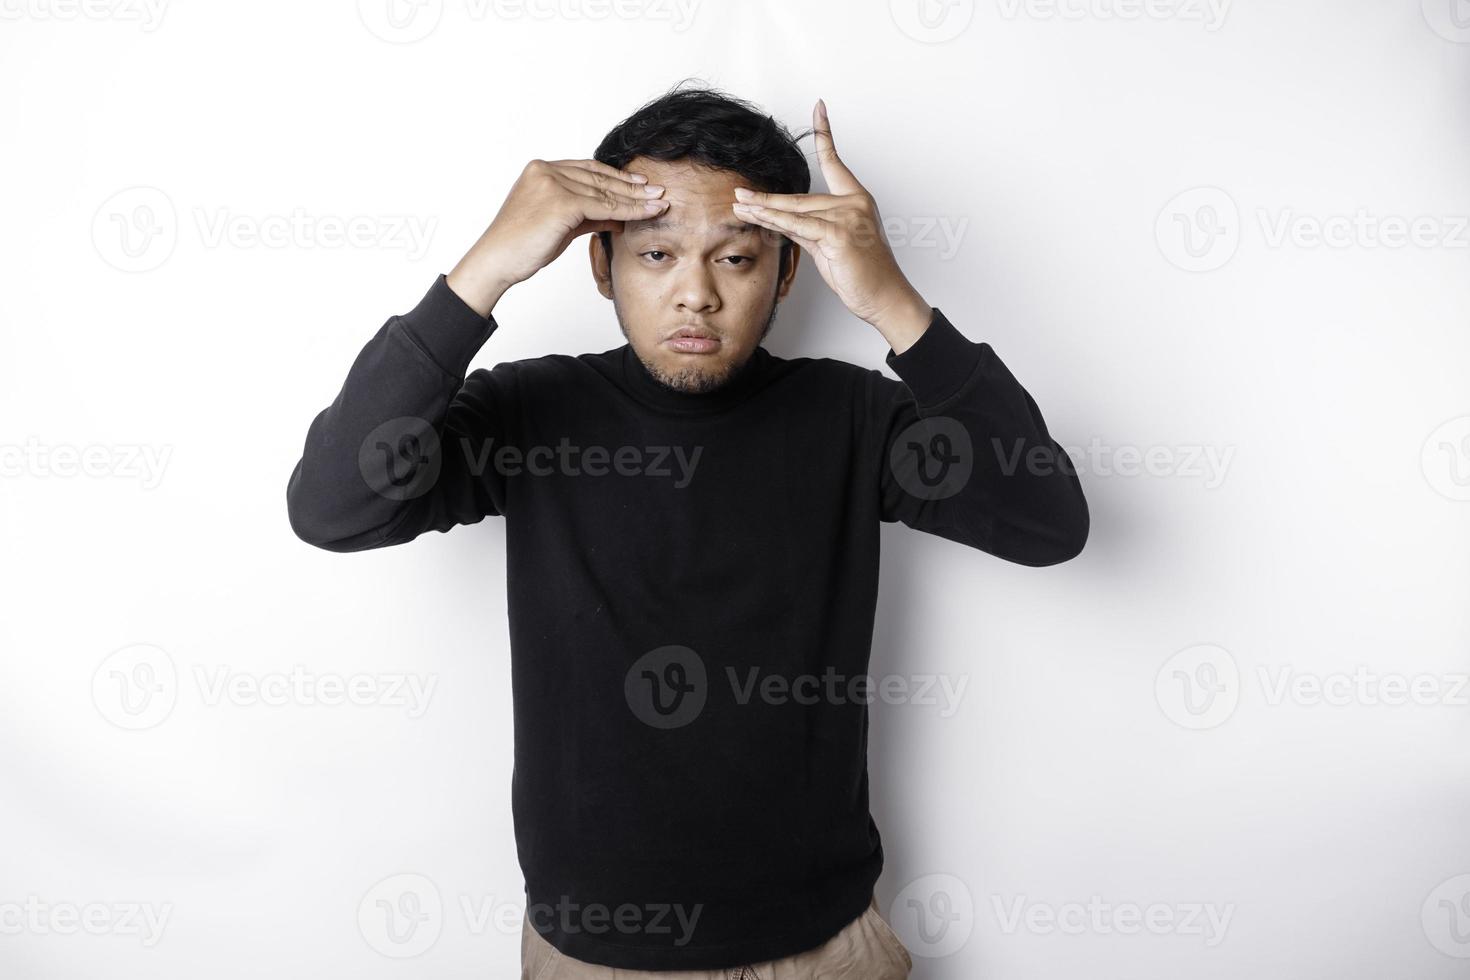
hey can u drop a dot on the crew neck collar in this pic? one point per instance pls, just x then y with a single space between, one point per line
654 393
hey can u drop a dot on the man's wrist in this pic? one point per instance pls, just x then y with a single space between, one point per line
480 288
903 321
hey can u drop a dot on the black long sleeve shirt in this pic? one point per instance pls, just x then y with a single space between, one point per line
691 589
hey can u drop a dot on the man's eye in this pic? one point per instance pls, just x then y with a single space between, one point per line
653 254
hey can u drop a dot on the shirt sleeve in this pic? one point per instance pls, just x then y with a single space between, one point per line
407 444
967 455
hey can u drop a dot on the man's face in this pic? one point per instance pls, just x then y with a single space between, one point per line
694 288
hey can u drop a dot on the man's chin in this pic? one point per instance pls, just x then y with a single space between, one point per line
692 378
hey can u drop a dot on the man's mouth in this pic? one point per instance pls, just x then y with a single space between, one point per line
693 340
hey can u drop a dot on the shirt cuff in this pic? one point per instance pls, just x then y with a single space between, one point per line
445 327
937 365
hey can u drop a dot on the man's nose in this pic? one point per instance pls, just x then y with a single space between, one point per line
696 289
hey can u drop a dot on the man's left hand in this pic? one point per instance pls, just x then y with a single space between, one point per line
843 233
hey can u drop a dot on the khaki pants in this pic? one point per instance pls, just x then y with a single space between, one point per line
867 948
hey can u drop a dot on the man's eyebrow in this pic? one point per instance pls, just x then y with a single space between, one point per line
661 223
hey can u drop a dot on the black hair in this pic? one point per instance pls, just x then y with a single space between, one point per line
717 130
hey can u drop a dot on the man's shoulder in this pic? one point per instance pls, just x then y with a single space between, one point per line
833 372
547 369
811 368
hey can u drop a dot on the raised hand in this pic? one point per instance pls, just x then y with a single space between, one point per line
551 203
843 232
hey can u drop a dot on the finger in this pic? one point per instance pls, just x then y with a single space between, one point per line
600 167
840 180
807 230
789 202
613 185
607 190
615 207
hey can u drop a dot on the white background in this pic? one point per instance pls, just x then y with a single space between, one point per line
1123 740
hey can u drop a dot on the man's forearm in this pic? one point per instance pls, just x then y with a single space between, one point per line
478 279
362 480
904 321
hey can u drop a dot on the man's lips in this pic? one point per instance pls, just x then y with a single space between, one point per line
693 340
693 345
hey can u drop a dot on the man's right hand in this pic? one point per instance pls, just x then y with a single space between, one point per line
551 203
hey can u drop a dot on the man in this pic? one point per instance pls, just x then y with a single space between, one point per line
692 532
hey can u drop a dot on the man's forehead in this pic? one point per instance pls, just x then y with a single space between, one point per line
682 224
699 200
